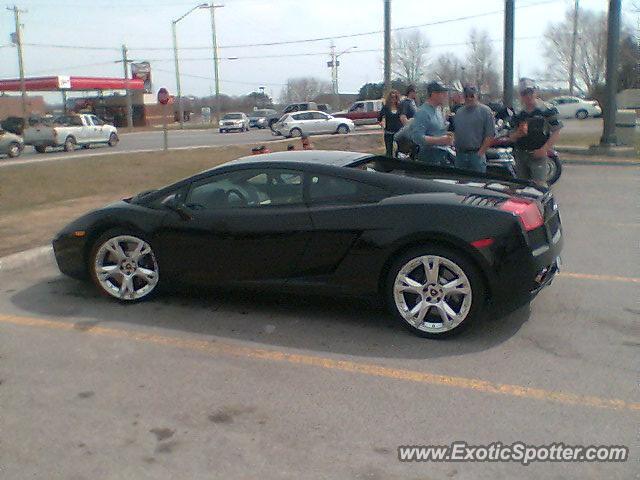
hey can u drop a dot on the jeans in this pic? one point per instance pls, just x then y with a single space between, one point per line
471 161
388 143
433 156
530 167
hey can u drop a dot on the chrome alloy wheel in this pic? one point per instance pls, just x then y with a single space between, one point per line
126 268
432 294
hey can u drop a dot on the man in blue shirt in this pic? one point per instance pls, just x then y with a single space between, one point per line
428 129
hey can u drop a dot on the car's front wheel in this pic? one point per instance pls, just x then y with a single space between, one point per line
582 114
113 140
295 132
343 129
435 291
69 144
123 265
14 150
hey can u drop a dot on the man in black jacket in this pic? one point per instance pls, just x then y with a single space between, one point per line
537 130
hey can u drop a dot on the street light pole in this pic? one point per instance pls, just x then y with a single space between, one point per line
18 42
507 61
574 39
214 43
177 62
611 80
125 64
177 68
387 46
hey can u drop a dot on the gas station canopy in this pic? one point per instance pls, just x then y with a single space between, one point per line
73 84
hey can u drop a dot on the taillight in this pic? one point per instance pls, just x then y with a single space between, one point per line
526 210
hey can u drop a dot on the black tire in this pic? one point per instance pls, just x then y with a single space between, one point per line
461 260
14 150
113 140
582 114
554 166
222 131
343 129
91 261
295 132
40 148
69 144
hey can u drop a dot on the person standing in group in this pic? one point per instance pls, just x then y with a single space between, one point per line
537 130
474 130
428 128
408 106
389 119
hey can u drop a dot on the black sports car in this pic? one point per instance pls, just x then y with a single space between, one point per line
437 244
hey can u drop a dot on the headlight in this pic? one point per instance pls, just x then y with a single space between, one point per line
220 123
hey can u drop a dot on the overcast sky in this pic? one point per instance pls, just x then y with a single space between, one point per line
145 24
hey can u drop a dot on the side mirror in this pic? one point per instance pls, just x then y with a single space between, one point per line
180 208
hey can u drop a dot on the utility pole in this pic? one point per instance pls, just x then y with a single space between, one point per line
611 85
334 75
507 65
387 46
177 65
18 41
212 8
125 64
574 39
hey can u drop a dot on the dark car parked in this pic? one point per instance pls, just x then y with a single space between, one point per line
437 244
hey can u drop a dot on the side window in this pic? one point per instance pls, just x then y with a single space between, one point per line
326 189
572 100
357 107
247 189
96 121
303 116
76 121
319 116
370 106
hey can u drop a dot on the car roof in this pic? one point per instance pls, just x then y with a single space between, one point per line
336 158
306 111
235 113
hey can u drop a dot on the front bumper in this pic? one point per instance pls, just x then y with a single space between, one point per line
69 252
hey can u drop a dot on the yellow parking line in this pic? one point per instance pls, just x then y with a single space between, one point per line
607 278
216 347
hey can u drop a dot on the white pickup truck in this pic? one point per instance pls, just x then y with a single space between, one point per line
70 131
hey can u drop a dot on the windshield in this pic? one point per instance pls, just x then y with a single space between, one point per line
261 113
232 116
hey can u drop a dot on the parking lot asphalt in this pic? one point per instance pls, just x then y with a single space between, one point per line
204 385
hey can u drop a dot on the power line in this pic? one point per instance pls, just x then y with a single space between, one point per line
290 42
202 77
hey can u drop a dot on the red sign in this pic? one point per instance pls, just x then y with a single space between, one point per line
163 96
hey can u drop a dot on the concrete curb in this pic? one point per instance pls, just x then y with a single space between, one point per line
20 260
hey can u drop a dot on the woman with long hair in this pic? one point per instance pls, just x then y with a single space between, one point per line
389 119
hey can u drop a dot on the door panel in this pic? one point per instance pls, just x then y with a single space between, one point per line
342 211
249 225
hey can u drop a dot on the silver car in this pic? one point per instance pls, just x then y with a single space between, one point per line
234 121
311 122
10 144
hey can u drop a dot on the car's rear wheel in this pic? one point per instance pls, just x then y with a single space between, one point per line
69 144
435 291
40 148
123 265
14 150
553 168
295 132
113 140
582 114
343 129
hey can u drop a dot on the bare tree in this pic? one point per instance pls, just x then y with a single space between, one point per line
591 49
448 69
410 56
303 88
481 65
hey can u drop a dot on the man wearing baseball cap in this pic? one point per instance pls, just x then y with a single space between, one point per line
428 129
474 129
537 129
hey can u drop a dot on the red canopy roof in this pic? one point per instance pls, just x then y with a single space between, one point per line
62 82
